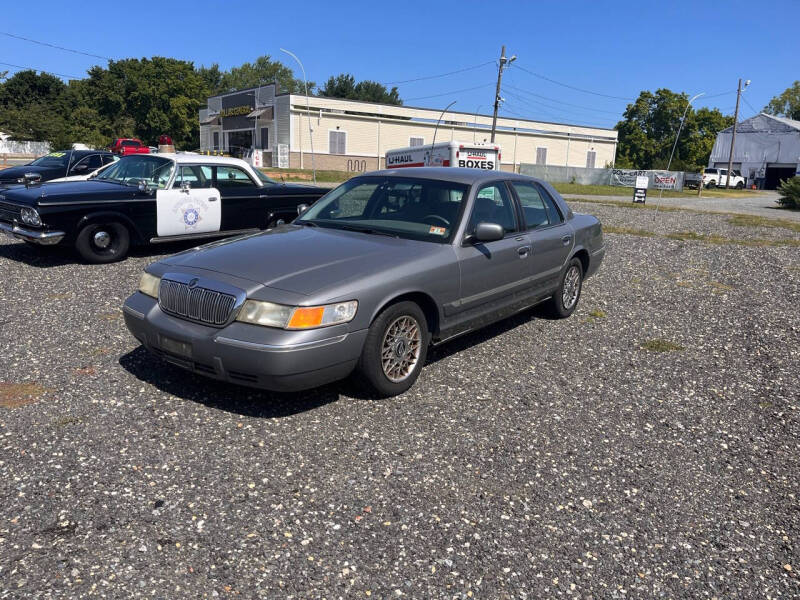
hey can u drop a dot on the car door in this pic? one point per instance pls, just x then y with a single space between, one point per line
492 274
551 236
242 199
191 206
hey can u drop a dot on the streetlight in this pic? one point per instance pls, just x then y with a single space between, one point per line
435 129
308 113
675 145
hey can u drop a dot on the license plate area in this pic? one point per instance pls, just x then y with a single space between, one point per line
176 347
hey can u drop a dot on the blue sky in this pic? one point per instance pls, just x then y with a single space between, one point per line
615 49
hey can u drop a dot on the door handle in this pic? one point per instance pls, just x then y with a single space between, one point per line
523 251
212 199
566 240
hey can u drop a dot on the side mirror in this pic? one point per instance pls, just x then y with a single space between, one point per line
30 179
185 186
488 232
80 167
144 187
301 208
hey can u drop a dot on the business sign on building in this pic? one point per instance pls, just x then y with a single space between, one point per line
660 180
235 109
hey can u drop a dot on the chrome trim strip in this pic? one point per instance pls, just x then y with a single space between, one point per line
93 202
599 250
45 238
280 348
132 312
198 236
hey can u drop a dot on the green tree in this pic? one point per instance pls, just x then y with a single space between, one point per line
787 104
32 107
344 86
647 132
249 75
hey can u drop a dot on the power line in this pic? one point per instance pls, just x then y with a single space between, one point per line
19 37
21 68
560 102
488 62
538 106
477 87
750 105
572 87
527 118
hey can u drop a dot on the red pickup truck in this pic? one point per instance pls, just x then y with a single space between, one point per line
125 146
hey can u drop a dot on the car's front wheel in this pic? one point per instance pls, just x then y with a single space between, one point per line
395 349
99 243
740 186
711 184
564 301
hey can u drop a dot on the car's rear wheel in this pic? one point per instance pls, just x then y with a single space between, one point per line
565 300
711 184
395 350
99 243
740 186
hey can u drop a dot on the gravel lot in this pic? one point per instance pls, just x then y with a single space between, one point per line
534 459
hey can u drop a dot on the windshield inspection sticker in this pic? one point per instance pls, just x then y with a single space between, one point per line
437 230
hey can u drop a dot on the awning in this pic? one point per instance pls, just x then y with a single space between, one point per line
261 112
210 120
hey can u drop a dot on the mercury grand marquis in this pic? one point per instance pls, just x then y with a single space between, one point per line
366 279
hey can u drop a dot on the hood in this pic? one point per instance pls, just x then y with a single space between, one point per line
15 173
52 193
304 260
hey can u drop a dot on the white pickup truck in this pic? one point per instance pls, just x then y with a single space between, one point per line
718 178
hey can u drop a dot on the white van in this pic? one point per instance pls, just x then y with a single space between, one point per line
446 154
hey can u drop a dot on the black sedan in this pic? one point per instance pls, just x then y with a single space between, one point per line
150 199
66 163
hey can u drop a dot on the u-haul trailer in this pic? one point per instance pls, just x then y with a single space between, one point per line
446 154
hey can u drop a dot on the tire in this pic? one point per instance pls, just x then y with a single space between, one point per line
711 184
740 186
565 300
395 350
100 243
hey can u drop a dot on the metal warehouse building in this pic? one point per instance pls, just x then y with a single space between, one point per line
350 135
767 149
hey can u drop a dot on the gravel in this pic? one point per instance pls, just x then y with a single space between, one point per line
536 458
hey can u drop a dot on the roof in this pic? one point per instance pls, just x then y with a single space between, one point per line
183 158
454 174
764 123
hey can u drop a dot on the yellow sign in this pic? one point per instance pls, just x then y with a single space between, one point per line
235 111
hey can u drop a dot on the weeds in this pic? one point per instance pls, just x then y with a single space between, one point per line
661 345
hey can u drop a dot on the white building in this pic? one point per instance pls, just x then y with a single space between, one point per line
767 149
350 135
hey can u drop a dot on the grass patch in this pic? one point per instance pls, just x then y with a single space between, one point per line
721 286
614 190
630 231
14 395
66 421
661 345
691 236
307 176
754 221
597 313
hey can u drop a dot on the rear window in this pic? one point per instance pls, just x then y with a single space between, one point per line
711 171
129 143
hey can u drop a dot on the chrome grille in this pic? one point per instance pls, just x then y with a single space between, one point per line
9 212
195 303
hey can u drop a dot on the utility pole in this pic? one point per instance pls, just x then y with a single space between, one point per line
733 135
503 62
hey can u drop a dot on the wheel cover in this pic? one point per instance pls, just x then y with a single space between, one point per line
572 287
401 347
102 239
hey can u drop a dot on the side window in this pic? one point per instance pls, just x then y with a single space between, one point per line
493 205
552 209
109 158
533 206
195 175
95 161
229 177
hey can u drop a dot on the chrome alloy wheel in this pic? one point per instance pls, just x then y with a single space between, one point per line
401 348
572 287
102 239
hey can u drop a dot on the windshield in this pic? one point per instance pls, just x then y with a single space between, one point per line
421 209
132 170
264 178
54 159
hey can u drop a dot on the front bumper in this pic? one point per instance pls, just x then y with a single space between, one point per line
261 357
45 238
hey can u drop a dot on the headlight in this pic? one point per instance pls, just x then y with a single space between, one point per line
148 284
296 317
30 216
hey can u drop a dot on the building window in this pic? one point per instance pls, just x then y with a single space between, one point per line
416 141
591 156
541 156
337 142
264 138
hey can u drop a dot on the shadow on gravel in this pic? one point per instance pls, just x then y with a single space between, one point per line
57 256
230 397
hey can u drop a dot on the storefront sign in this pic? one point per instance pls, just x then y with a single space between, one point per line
235 111
666 180
640 188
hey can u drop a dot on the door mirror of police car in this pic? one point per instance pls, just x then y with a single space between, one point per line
185 186
301 208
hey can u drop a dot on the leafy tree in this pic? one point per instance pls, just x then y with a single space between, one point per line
250 75
647 132
787 104
344 86
32 107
